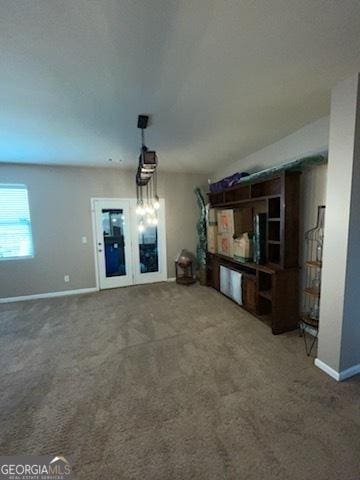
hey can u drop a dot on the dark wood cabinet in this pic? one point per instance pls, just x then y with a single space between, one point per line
270 291
249 294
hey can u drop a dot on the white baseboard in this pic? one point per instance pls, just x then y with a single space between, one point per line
38 296
325 368
338 376
349 372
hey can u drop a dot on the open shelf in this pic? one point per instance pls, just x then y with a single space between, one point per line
264 306
245 202
265 294
250 265
274 252
265 281
313 264
310 321
265 285
216 198
273 231
266 188
237 194
274 207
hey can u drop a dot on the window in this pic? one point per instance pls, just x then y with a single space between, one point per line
15 223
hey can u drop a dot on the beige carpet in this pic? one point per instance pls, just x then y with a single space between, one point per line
169 382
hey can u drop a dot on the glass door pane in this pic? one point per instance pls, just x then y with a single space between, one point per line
114 242
148 250
149 247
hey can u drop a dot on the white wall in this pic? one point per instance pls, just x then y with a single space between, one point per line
339 335
311 139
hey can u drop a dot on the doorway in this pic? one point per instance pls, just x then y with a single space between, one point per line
124 255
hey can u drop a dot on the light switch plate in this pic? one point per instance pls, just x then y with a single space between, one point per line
83 239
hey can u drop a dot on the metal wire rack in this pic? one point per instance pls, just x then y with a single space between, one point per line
314 241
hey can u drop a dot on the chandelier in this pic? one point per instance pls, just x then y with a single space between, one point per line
147 200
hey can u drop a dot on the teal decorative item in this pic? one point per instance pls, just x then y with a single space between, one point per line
202 237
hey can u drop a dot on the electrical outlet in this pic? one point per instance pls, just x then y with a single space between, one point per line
84 239
67 278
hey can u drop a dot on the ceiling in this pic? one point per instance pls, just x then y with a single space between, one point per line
221 79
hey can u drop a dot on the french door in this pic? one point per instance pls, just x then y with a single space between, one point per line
125 255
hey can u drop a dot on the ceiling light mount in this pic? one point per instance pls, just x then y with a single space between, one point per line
143 121
146 181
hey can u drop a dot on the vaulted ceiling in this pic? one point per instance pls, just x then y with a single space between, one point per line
220 79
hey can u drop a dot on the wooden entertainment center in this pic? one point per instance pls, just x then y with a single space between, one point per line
270 290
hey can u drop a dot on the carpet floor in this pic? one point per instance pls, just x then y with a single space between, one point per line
170 383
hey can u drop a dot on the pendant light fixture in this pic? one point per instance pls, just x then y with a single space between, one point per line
147 198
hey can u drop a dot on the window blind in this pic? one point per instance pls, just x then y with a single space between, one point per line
15 223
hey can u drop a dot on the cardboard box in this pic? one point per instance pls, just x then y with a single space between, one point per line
243 248
225 244
212 217
212 233
235 222
225 221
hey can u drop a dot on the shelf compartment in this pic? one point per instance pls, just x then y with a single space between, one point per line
305 318
264 306
265 281
274 252
237 194
266 294
266 188
274 208
273 230
216 198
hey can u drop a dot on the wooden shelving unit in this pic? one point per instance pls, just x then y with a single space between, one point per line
270 290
